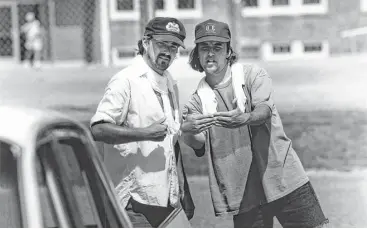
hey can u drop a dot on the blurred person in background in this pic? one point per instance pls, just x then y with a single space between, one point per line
254 173
139 114
33 33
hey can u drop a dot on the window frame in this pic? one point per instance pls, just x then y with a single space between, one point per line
281 44
305 44
170 10
73 133
55 171
16 150
56 198
311 3
294 8
278 4
244 5
128 15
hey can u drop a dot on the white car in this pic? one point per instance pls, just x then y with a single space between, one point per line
52 175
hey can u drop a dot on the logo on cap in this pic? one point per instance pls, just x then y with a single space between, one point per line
173 27
210 28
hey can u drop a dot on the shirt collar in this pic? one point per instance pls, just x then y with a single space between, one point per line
142 68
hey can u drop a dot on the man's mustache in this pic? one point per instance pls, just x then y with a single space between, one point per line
165 55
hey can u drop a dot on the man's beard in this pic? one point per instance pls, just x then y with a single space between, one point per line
163 61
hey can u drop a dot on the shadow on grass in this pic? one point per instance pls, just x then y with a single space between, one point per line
333 140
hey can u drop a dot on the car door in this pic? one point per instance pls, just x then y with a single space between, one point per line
82 190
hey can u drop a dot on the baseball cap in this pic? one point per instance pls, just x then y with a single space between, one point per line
166 29
211 30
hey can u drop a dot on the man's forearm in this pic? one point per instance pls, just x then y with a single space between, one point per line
258 116
114 134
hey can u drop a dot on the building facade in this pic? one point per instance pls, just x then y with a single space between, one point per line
107 31
71 29
265 29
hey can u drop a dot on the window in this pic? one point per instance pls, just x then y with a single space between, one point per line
186 4
250 3
121 55
49 191
124 9
312 47
159 4
281 48
271 8
130 9
10 211
67 13
179 8
310 2
83 186
125 5
252 51
280 2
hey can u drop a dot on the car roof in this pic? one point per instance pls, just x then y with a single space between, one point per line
20 125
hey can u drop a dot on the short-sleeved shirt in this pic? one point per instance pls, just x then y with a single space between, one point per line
277 170
148 174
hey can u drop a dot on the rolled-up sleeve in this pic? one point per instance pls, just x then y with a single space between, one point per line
113 107
193 106
261 90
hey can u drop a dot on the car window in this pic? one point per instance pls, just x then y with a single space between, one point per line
94 200
80 187
10 212
48 197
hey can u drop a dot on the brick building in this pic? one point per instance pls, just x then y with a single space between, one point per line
106 31
266 29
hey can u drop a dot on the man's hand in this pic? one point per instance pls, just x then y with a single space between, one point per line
231 119
197 123
156 131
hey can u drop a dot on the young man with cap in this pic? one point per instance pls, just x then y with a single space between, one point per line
139 115
254 173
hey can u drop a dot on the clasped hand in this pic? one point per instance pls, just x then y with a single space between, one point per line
231 119
197 123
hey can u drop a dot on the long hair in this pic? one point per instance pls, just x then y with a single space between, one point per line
195 62
141 50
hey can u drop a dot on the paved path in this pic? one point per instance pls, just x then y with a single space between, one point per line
343 196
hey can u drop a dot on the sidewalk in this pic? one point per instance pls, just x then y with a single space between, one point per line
343 197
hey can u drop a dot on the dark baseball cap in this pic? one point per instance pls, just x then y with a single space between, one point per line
211 30
166 29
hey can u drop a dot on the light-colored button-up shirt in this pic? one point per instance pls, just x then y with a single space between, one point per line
130 100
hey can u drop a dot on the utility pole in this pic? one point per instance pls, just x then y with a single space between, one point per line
147 12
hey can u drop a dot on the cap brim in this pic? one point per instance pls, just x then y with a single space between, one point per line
212 38
170 38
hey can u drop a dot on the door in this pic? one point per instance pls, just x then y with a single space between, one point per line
40 10
82 185
8 31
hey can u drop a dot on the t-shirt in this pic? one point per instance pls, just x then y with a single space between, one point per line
278 168
235 182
